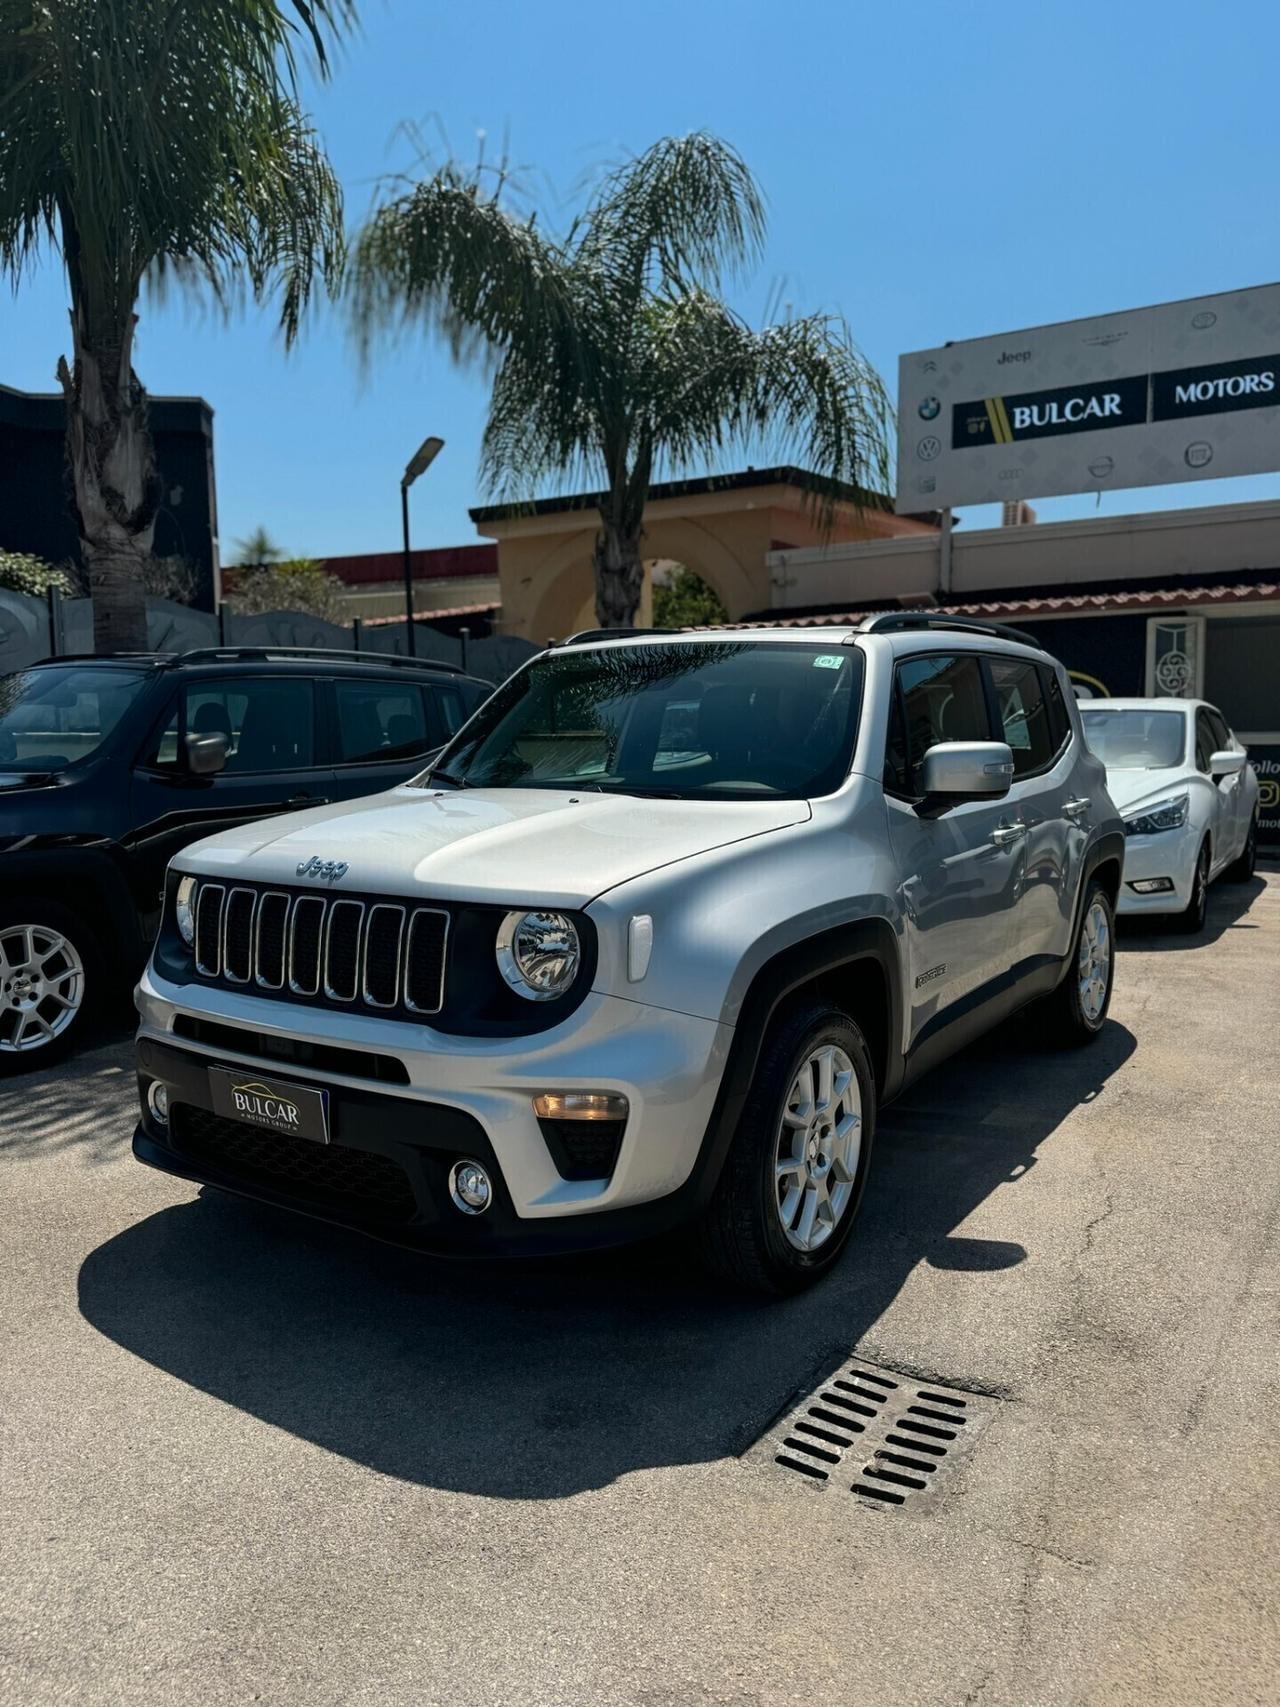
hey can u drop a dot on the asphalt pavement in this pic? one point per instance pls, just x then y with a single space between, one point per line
246 1458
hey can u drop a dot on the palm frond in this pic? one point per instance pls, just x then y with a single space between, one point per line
448 256
687 209
164 137
710 387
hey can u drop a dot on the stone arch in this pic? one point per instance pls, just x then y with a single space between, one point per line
697 548
564 577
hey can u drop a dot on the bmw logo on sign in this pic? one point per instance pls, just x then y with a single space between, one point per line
930 409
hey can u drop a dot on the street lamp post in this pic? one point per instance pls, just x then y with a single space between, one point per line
419 462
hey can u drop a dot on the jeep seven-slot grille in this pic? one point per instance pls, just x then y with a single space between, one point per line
375 956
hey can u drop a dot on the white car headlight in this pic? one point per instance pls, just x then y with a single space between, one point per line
184 909
1168 814
538 954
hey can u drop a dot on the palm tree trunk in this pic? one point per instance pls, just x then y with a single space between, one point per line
115 486
619 571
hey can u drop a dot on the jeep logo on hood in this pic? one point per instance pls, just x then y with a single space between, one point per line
327 870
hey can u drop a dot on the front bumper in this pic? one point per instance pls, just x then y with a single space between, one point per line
1168 853
465 1098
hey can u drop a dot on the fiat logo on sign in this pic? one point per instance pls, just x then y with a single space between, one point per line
327 870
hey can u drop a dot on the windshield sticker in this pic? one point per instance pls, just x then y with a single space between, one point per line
828 661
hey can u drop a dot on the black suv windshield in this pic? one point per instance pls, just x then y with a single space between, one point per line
55 717
719 719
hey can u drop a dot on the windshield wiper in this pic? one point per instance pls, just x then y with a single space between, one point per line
453 781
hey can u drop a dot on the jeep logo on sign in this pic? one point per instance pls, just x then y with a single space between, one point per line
327 870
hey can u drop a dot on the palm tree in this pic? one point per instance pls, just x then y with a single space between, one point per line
158 140
616 355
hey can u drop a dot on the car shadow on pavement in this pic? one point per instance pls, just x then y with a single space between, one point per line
540 1380
1228 909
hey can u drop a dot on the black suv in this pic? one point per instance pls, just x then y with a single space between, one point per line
109 765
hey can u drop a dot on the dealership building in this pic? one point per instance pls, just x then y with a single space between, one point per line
1181 603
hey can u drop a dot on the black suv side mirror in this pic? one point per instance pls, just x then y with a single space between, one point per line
206 755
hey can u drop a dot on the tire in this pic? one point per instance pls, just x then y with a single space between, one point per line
1190 921
1077 1010
1242 867
56 945
743 1237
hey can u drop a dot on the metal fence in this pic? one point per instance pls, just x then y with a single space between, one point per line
32 629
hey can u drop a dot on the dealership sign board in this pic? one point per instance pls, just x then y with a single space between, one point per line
1185 391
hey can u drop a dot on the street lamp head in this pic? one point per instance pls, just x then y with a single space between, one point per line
421 460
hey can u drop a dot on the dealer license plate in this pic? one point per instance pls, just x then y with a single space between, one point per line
298 1111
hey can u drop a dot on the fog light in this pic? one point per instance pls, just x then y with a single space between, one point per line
158 1101
581 1105
1151 885
469 1187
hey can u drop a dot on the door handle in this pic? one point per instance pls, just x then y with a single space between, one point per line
1005 833
307 800
1076 808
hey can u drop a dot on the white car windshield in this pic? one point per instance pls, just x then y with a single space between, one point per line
1134 739
698 719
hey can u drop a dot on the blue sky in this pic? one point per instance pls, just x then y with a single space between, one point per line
933 170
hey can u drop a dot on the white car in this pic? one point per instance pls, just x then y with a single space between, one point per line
1189 799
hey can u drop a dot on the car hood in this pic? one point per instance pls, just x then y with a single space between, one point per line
523 846
1130 788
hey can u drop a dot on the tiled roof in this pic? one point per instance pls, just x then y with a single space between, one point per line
432 615
1059 604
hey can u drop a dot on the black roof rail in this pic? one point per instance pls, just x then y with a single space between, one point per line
100 658
900 621
219 654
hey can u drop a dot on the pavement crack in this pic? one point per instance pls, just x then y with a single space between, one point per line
1095 1221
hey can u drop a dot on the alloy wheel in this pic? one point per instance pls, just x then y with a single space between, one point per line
818 1145
1200 897
1093 965
41 987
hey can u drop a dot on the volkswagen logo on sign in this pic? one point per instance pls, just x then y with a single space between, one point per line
928 448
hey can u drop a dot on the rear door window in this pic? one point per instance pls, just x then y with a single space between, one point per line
1024 713
379 720
1059 716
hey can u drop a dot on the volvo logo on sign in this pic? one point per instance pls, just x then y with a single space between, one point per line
327 870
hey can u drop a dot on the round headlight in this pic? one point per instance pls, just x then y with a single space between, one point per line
538 954
184 909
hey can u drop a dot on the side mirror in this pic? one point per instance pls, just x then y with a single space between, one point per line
206 755
967 770
1226 764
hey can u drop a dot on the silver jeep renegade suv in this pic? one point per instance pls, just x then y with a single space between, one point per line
651 942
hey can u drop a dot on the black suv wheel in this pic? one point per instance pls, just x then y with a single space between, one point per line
785 1204
50 970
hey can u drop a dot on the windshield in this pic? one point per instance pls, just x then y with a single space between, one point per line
1136 740
720 719
58 716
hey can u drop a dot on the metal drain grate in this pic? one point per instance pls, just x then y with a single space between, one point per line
889 1438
